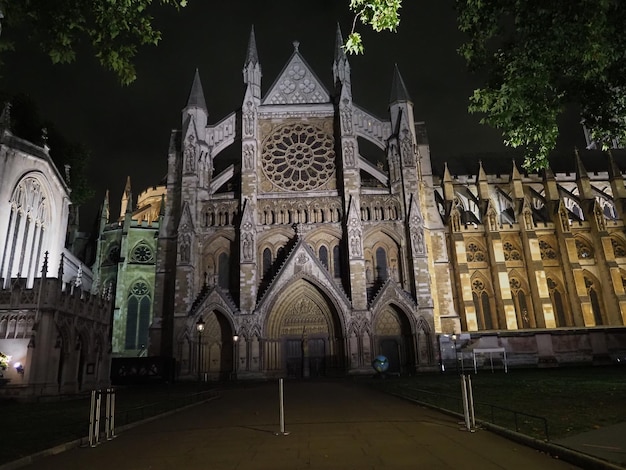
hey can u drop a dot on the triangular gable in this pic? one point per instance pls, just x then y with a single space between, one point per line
186 219
302 262
297 84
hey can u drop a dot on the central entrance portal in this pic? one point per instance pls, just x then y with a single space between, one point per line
303 333
306 358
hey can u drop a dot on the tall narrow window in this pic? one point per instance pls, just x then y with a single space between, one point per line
29 216
138 313
595 301
557 303
267 261
381 264
323 254
336 261
223 271
482 304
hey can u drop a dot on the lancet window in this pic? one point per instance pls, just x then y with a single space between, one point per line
138 314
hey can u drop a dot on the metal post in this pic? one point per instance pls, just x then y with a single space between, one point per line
109 423
92 416
97 420
112 413
199 356
471 402
465 403
281 399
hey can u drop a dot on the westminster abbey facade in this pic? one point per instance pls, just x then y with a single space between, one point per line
306 236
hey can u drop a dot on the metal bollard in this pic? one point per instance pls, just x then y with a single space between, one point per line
281 400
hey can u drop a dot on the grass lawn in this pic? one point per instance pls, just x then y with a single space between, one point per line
572 400
32 427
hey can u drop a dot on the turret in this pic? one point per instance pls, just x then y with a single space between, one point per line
252 70
125 198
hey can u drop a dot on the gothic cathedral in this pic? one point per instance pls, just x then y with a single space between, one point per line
298 255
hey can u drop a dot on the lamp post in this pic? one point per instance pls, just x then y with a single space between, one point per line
235 355
456 356
199 329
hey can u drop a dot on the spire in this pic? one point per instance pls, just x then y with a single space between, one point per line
105 208
196 96
398 89
340 52
125 198
516 182
614 171
483 185
252 57
581 172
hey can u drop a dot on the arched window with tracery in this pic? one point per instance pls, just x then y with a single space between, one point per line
482 304
29 217
619 248
381 264
557 302
594 297
223 270
583 249
519 301
546 250
511 251
138 313
474 252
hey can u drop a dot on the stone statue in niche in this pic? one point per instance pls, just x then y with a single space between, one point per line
248 120
418 241
346 117
408 151
349 154
185 248
190 154
247 246
247 157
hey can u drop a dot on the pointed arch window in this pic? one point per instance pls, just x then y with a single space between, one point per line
583 249
336 261
267 261
382 272
223 270
619 248
323 255
519 301
557 303
475 253
546 250
592 291
511 252
26 231
138 315
482 305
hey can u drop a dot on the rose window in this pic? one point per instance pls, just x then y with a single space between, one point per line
299 157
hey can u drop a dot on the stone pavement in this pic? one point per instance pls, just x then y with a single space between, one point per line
331 425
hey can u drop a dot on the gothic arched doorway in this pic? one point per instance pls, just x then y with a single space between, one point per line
394 339
216 353
304 337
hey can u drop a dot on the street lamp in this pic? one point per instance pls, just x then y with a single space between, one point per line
456 356
199 329
235 355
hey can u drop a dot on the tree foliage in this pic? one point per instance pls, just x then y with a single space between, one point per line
114 28
379 14
539 58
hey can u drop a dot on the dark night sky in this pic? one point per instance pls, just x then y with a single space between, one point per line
127 128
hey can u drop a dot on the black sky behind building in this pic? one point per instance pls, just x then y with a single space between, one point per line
128 128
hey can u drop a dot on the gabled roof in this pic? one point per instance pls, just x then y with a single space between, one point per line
297 84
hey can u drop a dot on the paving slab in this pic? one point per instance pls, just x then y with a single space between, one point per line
331 425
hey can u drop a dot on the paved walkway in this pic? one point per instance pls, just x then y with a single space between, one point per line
331 425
